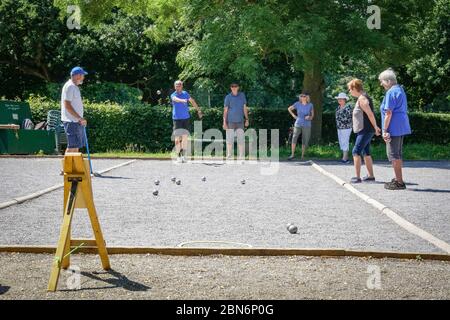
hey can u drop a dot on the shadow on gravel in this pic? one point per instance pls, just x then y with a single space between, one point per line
4 289
430 190
113 177
115 280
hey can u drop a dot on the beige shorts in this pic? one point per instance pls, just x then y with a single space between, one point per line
305 132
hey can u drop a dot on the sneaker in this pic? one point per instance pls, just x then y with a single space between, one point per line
368 179
183 159
355 180
345 161
394 185
179 160
291 158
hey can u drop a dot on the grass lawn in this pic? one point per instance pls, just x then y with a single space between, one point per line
324 152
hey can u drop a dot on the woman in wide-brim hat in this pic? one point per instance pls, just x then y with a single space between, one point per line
344 113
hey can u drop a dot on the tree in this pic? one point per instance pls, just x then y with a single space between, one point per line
242 39
430 68
37 48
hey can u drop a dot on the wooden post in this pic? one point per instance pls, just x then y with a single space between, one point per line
77 194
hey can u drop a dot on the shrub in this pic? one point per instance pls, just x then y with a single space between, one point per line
142 127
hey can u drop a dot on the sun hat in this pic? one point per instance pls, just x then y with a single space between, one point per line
342 95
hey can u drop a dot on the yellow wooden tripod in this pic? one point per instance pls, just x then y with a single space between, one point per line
77 194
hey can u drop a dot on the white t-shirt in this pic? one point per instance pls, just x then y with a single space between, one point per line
71 92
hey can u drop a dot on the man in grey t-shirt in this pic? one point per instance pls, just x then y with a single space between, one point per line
235 119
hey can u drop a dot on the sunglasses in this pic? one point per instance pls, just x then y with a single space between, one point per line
235 86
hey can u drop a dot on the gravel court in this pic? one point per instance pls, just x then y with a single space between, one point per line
22 176
25 276
425 203
220 209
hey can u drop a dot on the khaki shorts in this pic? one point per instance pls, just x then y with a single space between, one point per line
394 148
305 132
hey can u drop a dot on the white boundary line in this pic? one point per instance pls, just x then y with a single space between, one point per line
39 193
405 224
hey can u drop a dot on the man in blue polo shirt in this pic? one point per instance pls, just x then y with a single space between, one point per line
181 119
395 122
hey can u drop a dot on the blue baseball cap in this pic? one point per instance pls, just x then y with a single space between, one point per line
78 70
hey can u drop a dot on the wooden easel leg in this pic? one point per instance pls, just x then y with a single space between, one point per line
64 238
96 228
65 264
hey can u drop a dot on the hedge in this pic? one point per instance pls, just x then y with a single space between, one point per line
142 127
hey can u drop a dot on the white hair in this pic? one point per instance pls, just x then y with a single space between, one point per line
388 77
178 82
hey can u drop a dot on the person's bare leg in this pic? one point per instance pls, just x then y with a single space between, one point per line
177 145
293 146
241 143
229 150
398 165
345 155
304 147
357 164
184 144
241 151
369 165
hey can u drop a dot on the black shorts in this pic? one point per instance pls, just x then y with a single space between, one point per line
181 127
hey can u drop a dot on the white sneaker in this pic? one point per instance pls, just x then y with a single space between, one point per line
179 160
183 159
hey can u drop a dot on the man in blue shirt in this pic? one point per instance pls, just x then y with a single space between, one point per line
235 119
395 122
181 119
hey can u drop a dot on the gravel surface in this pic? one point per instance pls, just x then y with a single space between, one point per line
25 276
220 209
426 202
20 177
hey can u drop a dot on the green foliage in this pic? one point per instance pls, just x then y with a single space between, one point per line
96 92
144 128
430 70
37 48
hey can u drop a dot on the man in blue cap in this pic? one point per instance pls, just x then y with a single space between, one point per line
72 110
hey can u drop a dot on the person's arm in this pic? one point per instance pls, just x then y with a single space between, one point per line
388 116
310 117
68 97
71 110
364 104
194 103
225 118
176 99
247 122
291 111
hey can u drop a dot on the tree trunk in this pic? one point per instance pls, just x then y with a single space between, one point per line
314 84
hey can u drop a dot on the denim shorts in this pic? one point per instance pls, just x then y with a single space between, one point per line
362 143
75 135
